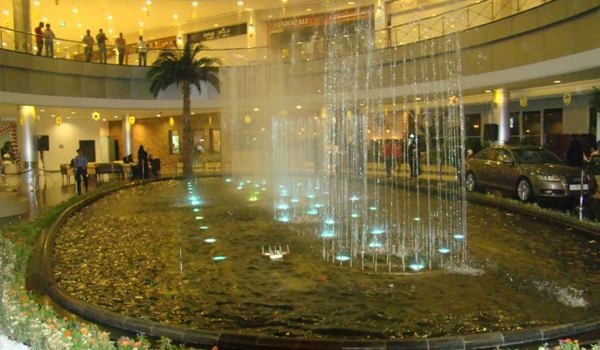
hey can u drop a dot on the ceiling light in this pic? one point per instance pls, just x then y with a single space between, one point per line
42 110
283 0
36 3
78 25
103 120
45 19
194 3
68 117
5 12
418 99
109 17
488 91
308 10
73 112
216 25
141 23
144 9
116 116
256 109
240 3
175 16
270 16
557 82
53 115
193 113
299 107
350 2
110 30
58 43
75 10
148 2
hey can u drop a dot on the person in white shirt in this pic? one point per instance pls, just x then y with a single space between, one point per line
48 40
89 46
142 47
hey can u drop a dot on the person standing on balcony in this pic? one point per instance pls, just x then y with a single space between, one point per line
121 44
88 40
49 40
142 47
39 38
101 39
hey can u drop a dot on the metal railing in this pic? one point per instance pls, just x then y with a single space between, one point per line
431 26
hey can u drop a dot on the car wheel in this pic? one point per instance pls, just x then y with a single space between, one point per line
471 182
524 190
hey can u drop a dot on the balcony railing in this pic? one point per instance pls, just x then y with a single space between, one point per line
409 31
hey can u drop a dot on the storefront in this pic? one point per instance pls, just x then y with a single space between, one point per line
310 37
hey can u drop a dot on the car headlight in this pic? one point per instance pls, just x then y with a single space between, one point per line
548 177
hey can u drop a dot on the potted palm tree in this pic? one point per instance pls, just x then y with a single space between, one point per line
184 68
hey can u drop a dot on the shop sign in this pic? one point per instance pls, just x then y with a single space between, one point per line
218 33
153 44
321 19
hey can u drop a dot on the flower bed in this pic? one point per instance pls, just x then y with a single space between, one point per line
23 320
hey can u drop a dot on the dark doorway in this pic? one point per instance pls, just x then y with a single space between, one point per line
117 156
89 150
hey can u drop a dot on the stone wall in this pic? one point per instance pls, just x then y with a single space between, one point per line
153 134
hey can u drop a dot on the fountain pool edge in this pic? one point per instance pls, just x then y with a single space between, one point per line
229 340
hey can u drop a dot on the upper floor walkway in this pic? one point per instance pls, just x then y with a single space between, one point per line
530 48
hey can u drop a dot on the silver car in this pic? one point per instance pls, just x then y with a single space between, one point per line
526 171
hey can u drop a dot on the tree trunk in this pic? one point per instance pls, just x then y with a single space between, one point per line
188 136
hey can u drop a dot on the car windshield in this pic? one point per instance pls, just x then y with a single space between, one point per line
536 156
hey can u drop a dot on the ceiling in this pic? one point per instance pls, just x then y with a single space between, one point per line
11 112
129 16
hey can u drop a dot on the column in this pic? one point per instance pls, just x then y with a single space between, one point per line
127 137
381 32
27 133
501 114
22 19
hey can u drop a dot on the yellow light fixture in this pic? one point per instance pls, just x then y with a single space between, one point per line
171 121
453 101
58 121
96 116
131 120
523 101
567 99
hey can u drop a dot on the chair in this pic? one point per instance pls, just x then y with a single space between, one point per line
68 171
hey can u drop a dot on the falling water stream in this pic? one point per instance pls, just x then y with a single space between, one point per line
317 128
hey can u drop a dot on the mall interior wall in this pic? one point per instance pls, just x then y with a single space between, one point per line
64 139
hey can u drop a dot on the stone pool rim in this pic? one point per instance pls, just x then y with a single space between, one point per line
43 254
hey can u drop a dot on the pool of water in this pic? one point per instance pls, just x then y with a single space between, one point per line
123 253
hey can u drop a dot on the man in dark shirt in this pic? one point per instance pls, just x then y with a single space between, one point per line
80 164
39 39
101 40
